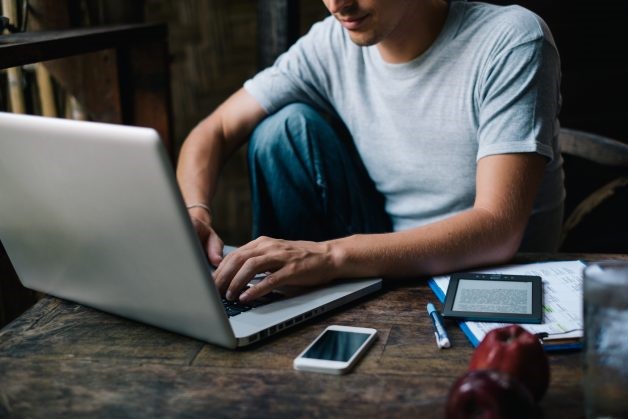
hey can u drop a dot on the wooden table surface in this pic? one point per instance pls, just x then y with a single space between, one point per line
64 359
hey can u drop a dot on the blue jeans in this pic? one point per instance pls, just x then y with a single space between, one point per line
307 182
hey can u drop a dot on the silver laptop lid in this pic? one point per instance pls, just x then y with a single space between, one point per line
91 212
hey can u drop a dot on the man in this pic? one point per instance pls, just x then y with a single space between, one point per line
452 111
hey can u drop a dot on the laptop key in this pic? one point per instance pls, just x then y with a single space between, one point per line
231 312
242 307
266 299
233 308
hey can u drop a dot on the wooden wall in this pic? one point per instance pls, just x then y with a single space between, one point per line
591 39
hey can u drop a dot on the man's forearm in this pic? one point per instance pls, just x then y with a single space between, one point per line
200 161
489 233
471 238
211 143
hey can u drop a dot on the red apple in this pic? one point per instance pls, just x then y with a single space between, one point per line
489 394
515 351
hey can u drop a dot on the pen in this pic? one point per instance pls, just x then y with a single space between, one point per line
442 340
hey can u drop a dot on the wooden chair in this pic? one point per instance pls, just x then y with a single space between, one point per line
600 154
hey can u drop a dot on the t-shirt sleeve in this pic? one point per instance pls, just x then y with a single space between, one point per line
520 100
298 75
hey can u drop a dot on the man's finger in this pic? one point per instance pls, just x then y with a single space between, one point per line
262 288
214 249
249 269
229 267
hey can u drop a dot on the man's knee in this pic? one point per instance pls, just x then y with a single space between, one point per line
289 127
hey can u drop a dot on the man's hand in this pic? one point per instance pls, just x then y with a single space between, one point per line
211 242
288 263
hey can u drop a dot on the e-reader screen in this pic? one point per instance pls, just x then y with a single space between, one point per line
492 297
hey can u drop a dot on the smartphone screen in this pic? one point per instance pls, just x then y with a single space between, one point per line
336 345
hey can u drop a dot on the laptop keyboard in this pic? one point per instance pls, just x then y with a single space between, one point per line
233 308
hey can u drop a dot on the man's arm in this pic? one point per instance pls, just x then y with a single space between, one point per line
203 154
489 233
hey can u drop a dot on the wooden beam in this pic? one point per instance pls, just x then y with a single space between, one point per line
278 28
30 47
46 91
144 76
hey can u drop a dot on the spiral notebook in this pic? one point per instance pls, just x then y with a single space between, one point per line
562 327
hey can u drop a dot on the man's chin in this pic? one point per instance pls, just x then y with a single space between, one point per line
362 39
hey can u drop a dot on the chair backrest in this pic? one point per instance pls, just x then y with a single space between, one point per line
593 147
610 156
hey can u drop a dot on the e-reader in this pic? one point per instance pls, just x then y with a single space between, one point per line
494 298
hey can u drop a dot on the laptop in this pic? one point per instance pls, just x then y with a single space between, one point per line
92 213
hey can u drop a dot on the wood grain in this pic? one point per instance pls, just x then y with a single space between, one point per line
62 359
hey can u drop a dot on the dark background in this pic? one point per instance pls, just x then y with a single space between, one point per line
592 41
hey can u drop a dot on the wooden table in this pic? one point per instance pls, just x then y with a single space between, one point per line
62 359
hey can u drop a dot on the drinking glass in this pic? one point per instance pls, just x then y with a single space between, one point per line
606 339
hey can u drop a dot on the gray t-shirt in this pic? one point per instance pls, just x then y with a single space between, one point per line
489 84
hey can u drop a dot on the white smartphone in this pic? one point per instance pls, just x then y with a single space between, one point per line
335 350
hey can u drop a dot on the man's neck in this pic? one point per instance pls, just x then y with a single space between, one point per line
416 33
